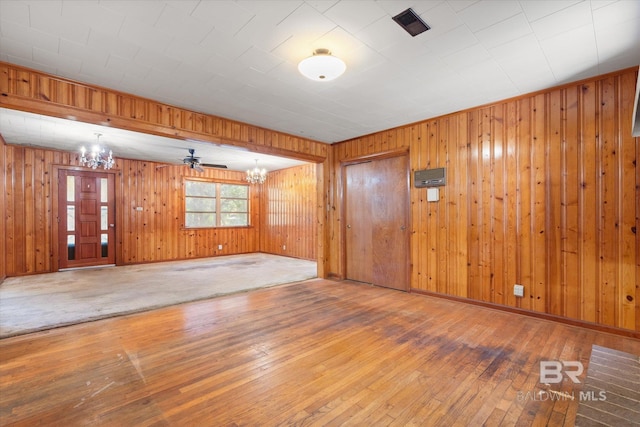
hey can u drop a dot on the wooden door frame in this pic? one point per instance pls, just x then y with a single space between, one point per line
343 206
55 227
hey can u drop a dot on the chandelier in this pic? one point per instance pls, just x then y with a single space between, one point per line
97 157
256 175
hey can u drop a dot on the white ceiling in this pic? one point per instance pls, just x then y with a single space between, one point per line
238 59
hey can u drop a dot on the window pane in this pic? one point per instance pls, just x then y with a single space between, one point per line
233 205
103 190
198 188
71 218
234 191
234 219
104 217
104 243
200 220
71 188
71 247
198 204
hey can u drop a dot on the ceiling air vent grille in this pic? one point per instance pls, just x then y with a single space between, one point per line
411 22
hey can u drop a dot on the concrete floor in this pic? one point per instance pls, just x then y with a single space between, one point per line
45 301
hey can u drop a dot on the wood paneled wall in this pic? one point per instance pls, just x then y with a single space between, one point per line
154 234
542 190
289 212
157 232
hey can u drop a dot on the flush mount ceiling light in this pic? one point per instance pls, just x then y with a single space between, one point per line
322 66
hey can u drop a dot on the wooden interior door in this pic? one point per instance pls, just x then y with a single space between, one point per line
377 216
86 217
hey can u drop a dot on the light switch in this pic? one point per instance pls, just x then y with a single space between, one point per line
433 194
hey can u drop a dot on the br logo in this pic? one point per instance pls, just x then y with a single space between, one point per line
552 371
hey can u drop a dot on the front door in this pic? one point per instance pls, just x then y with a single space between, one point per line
86 217
376 213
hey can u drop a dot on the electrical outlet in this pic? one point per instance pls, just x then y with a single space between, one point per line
518 290
219 247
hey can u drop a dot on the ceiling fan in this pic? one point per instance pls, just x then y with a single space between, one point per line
194 162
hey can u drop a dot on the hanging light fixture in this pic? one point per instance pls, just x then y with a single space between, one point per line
322 66
256 175
97 156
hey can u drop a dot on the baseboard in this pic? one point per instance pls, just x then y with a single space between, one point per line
536 314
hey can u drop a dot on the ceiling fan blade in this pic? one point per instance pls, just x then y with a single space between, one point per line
210 165
197 167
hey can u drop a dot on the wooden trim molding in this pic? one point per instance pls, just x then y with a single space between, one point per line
375 156
536 314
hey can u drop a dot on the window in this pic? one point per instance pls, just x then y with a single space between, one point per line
214 204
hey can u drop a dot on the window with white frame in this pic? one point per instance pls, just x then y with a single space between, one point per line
211 204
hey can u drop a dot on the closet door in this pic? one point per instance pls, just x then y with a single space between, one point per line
377 217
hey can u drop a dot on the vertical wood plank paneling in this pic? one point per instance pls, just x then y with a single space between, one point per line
629 208
542 190
29 212
539 202
156 233
432 271
571 184
523 178
510 171
475 213
3 209
444 249
554 285
19 213
589 209
417 221
485 178
498 221
9 212
288 201
608 224
461 169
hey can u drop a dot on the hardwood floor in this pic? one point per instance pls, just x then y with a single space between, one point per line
316 353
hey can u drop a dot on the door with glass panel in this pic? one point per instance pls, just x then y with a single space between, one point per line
86 219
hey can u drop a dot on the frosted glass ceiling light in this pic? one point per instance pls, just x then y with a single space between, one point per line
322 66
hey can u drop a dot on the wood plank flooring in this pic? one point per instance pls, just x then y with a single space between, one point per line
315 353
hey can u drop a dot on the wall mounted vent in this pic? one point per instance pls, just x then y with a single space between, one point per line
429 178
411 22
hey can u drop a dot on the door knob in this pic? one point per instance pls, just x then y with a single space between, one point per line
348 225
402 227
112 225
